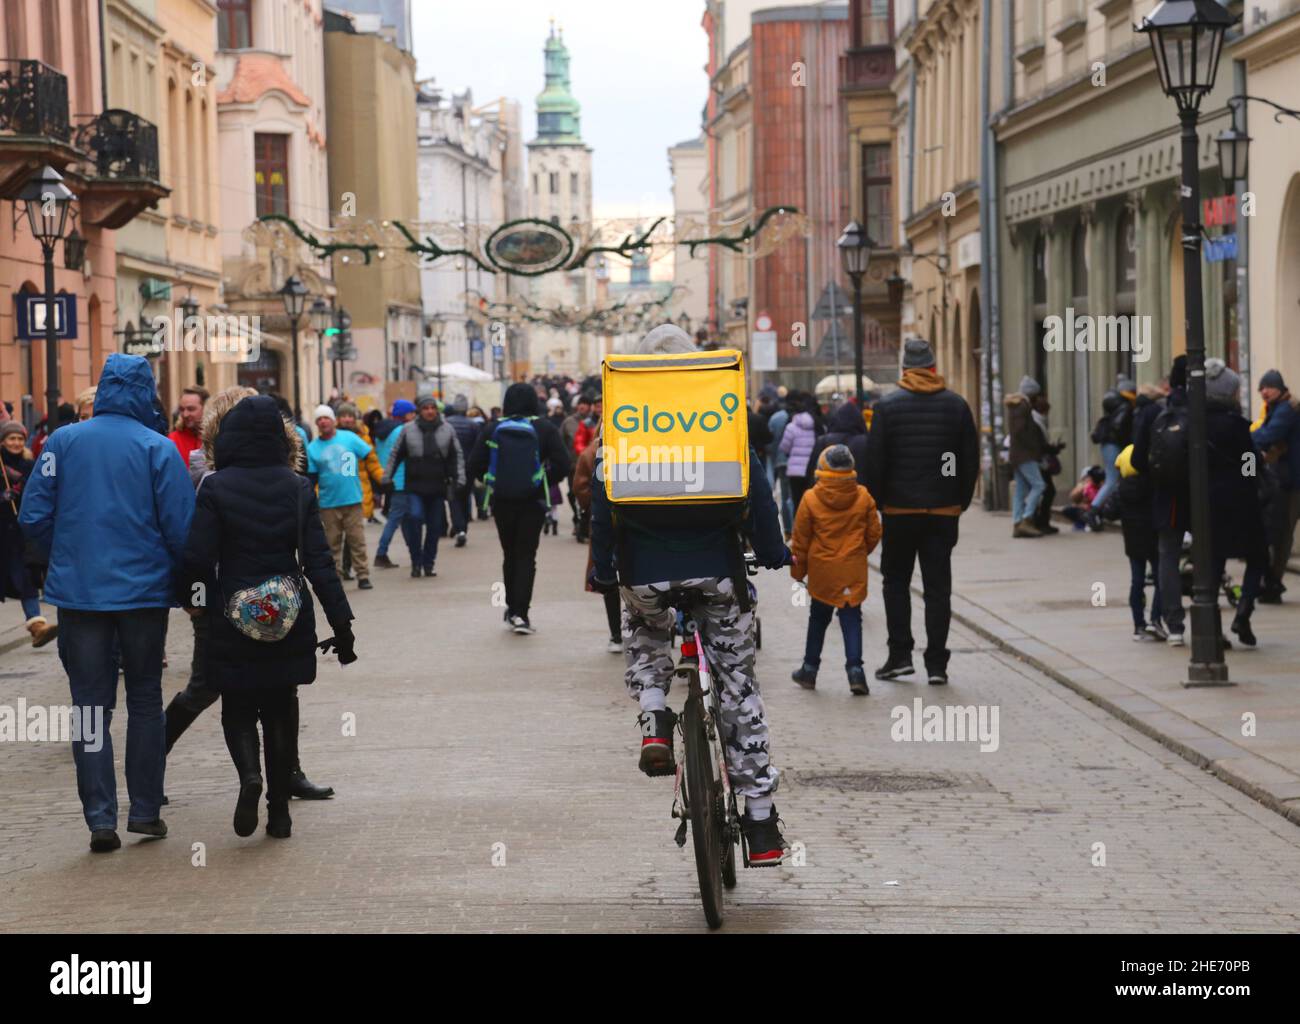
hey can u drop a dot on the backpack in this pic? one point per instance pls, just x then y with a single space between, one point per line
1168 454
675 451
268 611
514 463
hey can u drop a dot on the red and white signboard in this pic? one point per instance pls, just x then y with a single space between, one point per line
763 323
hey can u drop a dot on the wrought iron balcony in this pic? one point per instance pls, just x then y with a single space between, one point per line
33 100
121 145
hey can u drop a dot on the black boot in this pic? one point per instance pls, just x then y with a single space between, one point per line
280 755
179 718
299 785
241 741
1241 626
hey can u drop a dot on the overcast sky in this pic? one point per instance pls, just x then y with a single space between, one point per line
637 70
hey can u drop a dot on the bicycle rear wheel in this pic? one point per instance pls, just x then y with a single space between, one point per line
704 797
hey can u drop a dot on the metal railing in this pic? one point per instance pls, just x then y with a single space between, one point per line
34 100
121 145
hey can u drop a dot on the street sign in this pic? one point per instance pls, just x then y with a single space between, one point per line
476 344
762 351
834 302
142 344
29 313
763 323
1222 248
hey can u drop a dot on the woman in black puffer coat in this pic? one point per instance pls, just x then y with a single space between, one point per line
246 529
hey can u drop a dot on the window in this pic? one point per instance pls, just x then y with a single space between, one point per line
271 173
877 193
573 185
1126 265
874 26
536 187
1040 269
555 183
1079 262
234 24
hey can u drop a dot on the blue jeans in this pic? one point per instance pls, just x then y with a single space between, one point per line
425 512
1029 491
819 618
1109 453
786 504
87 644
31 607
397 507
1137 590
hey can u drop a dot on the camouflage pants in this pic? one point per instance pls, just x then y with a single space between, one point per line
728 636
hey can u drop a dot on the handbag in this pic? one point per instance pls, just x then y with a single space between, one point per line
268 611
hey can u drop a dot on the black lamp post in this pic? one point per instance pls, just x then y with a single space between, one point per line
74 250
322 319
1186 38
48 202
855 250
294 294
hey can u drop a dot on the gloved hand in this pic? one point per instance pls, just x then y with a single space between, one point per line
786 559
341 642
601 586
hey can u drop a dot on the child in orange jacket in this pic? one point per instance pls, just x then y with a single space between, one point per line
835 529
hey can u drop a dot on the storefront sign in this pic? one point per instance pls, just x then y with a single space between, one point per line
1222 248
30 316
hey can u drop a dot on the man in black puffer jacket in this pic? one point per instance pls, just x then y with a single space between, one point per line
467 434
921 466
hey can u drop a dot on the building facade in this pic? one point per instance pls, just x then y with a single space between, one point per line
371 118
687 163
271 159
53 113
1088 164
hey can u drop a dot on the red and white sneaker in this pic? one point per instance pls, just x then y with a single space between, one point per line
657 742
763 840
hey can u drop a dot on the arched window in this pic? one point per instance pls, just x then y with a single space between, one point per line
1126 244
1040 268
1079 264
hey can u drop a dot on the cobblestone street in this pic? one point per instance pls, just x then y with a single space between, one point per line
467 737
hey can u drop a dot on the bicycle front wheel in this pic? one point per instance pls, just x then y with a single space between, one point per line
704 796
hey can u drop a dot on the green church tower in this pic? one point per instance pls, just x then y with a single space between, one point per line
557 110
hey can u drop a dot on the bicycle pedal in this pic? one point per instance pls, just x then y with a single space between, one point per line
680 837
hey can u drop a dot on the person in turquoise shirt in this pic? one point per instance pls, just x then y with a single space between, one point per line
334 463
385 436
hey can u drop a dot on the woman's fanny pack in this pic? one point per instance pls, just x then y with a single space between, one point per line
268 610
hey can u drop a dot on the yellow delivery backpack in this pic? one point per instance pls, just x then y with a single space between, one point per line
675 453
675 428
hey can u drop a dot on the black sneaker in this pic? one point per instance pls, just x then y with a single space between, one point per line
805 675
765 846
430 571
156 828
897 666
461 539
657 742
521 625
858 681
384 562
347 574
1241 626
365 584
104 840
938 677
415 572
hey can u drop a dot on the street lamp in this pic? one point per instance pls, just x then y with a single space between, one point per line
855 250
1186 39
74 250
48 203
437 326
189 309
1234 146
322 319
294 294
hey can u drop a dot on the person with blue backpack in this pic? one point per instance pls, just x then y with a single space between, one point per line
518 459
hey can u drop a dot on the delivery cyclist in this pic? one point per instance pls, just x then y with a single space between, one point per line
679 555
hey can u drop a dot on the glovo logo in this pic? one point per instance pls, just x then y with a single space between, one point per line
628 419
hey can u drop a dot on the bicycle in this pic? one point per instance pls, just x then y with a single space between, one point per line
702 795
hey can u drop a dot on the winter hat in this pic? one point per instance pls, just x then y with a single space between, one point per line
323 412
402 407
346 409
1272 379
460 405
554 403
429 400
520 400
1178 373
917 354
11 427
1221 382
768 392
665 338
1029 387
837 459
1125 385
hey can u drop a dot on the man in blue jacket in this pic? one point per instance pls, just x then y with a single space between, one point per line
1280 432
111 502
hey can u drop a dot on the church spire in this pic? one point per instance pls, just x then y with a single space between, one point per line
558 120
